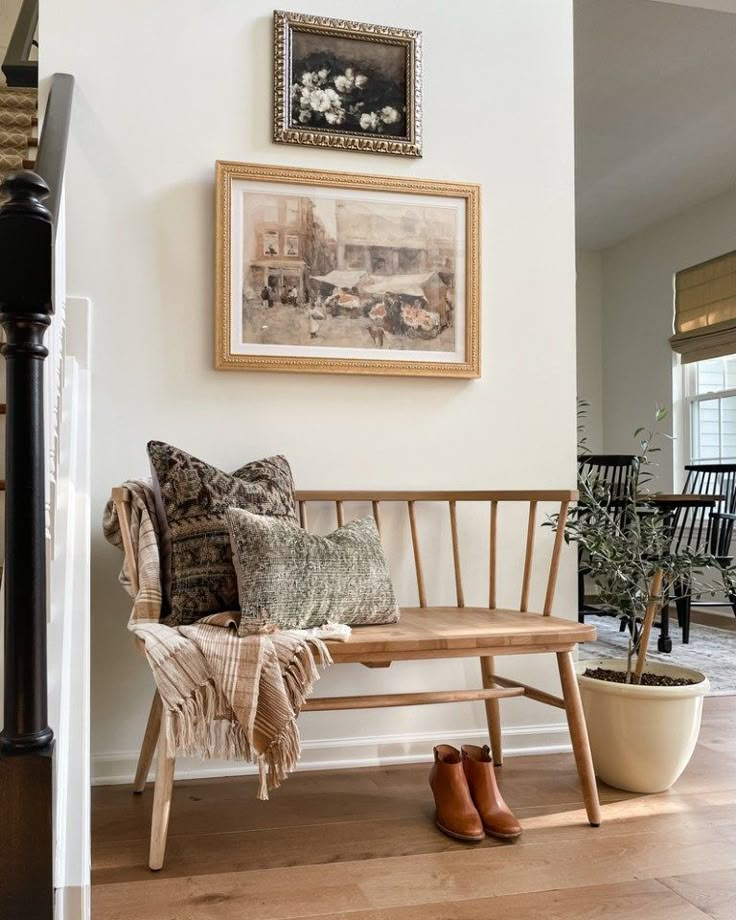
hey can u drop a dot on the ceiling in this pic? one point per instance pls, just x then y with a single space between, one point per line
655 97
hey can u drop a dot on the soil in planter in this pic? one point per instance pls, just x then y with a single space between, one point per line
647 678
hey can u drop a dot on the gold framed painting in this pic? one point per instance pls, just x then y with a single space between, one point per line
351 85
334 272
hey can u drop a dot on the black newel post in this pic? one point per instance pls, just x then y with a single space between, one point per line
26 741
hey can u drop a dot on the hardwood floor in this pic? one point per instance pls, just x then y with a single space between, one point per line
707 616
361 845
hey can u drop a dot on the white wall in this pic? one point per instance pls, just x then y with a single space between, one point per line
637 319
159 98
589 338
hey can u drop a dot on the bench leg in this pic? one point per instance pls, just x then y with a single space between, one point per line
150 740
579 736
161 801
493 713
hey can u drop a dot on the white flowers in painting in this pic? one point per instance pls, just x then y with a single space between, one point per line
369 121
323 96
315 96
389 115
348 81
374 121
345 82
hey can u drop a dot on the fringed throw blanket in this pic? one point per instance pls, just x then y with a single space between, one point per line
224 696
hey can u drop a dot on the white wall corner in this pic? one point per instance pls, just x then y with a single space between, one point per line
69 639
589 341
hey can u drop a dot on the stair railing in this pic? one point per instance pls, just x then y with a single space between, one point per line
27 272
17 66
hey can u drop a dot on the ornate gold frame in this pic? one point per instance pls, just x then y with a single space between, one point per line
283 133
227 172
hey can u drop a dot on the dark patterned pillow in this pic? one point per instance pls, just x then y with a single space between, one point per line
294 579
197 573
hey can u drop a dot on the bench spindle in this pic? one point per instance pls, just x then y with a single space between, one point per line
554 566
340 513
493 710
492 560
377 516
460 594
303 515
417 554
528 557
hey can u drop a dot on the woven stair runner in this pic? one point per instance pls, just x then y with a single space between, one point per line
17 112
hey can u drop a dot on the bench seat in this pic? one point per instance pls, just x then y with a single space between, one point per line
453 632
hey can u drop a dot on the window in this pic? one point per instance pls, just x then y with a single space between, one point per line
711 396
292 211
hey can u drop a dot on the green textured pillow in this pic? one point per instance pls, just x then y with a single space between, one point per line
290 578
192 497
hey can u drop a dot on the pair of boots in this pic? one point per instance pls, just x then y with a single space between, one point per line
469 804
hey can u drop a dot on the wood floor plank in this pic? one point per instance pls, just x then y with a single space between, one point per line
343 841
642 900
229 804
394 882
707 617
714 893
361 845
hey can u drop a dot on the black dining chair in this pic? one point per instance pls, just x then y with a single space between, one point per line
618 474
705 529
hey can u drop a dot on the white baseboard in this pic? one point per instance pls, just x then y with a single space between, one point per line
72 903
345 753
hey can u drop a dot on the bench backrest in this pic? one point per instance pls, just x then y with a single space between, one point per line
339 498
532 499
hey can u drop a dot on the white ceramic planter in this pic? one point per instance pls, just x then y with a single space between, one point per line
641 738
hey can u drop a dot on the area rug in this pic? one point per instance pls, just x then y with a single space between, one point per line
711 650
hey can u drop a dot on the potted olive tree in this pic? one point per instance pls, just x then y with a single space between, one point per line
643 716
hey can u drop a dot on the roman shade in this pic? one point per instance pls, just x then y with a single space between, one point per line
705 310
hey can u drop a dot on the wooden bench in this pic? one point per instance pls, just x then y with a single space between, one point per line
427 632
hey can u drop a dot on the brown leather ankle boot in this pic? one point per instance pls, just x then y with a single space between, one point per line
456 815
498 819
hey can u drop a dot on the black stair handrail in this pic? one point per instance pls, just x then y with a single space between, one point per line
52 144
17 65
27 231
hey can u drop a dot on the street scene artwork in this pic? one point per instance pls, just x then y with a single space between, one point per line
342 273
348 274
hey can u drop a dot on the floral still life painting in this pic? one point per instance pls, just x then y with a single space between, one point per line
347 84
332 272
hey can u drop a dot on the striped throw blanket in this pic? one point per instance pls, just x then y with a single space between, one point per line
224 696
